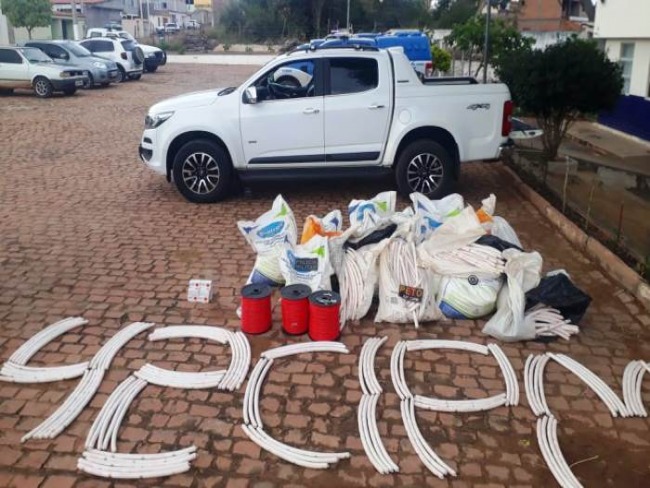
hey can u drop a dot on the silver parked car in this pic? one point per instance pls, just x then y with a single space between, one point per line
100 71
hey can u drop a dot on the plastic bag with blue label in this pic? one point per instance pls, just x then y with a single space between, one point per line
307 264
267 236
432 213
367 214
469 298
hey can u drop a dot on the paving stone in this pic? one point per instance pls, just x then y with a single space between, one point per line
88 230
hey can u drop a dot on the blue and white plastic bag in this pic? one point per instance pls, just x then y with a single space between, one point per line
267 236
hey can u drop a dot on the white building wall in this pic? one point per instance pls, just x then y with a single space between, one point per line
621 19
40 33
4 30
640 78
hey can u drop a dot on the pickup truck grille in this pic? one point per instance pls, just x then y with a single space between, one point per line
159 56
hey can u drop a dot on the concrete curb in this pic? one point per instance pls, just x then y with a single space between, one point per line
612 264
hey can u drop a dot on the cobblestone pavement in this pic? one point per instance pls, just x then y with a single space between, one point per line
87 230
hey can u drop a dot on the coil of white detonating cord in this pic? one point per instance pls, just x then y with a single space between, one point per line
632 384
606 394
35 343
16 371
366 414
550 447
88 386
509 375
427 455
136 466
549 322
472 258
104 357
398 266
253 426
230 380
534 383
352 284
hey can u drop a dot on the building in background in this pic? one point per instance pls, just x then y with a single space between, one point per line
623 28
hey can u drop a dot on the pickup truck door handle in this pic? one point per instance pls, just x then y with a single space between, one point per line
310 111
374 106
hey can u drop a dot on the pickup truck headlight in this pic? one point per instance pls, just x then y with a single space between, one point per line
64 74
99 65
151 55
153 121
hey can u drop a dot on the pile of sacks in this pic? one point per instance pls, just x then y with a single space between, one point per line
433 260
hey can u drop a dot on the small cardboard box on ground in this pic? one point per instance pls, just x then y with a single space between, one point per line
199 291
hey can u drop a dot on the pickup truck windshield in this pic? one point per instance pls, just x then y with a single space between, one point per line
35 55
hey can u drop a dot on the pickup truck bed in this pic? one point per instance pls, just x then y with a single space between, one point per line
327 112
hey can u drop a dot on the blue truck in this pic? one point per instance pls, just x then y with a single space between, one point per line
415 44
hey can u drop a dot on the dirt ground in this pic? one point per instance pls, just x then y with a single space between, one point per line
86 230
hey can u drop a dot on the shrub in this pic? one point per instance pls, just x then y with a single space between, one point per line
441 59
565 81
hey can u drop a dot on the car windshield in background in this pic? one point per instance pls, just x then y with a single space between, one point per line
129 45
35 55
77 50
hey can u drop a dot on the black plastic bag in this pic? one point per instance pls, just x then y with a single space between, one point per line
373 238
497 243
559 292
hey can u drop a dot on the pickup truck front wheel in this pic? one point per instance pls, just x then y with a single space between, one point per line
426 167
202 171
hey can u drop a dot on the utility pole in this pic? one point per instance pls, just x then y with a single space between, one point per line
347 23
487 40
74 19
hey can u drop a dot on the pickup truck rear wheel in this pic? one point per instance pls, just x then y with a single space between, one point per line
202 171
424 166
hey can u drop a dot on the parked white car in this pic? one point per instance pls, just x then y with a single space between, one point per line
361 112
192 24
127 54
153 56
172 27
29 68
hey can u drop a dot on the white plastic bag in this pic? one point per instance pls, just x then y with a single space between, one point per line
369 213
503 230
523 273
307 264
469 298
329 225
267 236
432 213
407 292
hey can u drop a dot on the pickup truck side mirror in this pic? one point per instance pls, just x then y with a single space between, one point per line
251 95
256 94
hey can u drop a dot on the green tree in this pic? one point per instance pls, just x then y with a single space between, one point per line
560 84
448 13
28 13
505 39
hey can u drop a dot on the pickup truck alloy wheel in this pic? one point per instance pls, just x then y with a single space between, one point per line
424 166
42 87
202 171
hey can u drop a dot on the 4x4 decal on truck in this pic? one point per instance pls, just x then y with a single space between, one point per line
476 106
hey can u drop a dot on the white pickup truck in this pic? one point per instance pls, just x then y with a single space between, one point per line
344 112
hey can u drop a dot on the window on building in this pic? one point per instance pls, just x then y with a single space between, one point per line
626 59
